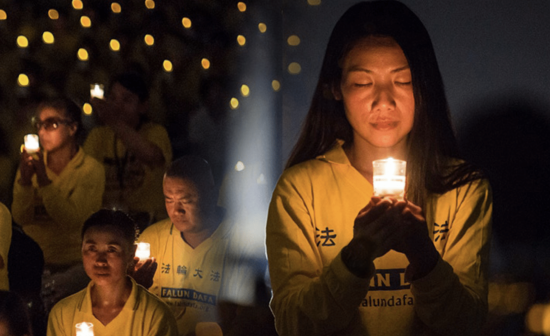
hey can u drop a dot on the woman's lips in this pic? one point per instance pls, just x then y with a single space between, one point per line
385 125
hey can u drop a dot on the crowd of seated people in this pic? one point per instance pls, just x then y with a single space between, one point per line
79 211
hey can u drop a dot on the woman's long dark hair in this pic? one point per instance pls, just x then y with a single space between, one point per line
432 144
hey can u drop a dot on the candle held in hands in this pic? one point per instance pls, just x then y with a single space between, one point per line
389 178
32 144
96 91
143 251
84 329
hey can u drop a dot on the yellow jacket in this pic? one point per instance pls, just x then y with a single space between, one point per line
5 241
142 314
311 219
53 215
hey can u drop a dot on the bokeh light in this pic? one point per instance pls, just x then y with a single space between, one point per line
3 15
186 22
149 39
23 80
87 109
241 40
114 45
262 27
293 40
22 41
167 66
239 166
82 54
150 4
234 103
241 6
48 38
245 90
116 8
85 21
77 4
314 2
205 63
53 14
276 85
294 68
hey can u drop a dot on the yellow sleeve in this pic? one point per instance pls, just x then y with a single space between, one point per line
452 299
158 136
163 322
22 207
84 199
308 299
5 242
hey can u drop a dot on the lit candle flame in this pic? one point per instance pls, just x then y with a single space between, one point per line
32 144
96 91
143 251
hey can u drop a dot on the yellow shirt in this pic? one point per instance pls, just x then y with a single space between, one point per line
193 281
53 215
311 219
143 314
5 241
141 189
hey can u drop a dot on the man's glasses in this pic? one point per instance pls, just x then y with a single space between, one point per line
49 124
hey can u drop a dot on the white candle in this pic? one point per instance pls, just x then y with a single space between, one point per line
389 178
143 251
84 329
96 91
32 144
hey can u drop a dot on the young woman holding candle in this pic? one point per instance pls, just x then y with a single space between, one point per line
113 302
55 190
345 262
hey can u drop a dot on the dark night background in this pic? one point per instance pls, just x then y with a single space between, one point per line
494 56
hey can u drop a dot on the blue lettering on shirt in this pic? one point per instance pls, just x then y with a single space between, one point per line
389 279
188 294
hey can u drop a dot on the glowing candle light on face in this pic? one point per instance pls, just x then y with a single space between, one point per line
96 91
84 329
389 178
32 145
143 251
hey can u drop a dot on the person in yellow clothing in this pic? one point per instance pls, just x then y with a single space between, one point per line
113 302
134 152
202 263
55 190
345 262
5 241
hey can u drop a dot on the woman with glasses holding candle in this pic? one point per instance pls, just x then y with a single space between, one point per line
113 302
343 262
55 190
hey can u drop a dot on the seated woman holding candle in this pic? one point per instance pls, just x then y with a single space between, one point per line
113 302
55 190
345 262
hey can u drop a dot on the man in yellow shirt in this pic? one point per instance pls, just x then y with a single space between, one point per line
200 260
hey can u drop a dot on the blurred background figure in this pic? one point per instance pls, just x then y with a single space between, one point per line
14 319
133 150
55 190
5 241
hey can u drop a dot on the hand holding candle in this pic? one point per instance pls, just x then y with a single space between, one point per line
389 178
96 91
84 329
143 251
32 143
